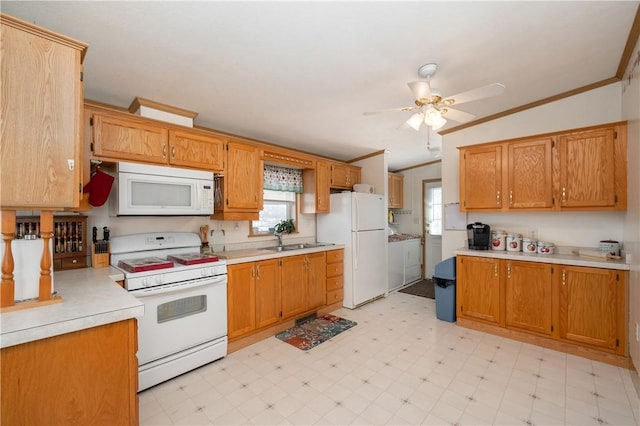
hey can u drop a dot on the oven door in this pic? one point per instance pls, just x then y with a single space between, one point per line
180 316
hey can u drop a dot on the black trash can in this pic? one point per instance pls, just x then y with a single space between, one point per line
444 279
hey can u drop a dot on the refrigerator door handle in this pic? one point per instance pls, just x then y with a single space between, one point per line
356 250
356 212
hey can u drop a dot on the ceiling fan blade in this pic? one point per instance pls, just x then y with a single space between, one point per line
404 109
420 89
487 91
457 115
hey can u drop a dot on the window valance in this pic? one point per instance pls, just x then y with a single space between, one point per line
282 179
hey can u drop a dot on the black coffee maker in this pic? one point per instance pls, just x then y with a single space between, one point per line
479 236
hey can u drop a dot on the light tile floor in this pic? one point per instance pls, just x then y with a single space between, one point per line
399 366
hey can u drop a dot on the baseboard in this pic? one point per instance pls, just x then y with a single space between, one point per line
585 352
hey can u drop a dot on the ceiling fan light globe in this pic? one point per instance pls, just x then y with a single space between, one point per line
438 125
414 121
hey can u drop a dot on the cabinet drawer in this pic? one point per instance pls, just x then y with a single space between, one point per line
335 283
335 269
334 256
335 296
73 262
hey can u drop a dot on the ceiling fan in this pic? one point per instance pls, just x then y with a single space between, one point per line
433 109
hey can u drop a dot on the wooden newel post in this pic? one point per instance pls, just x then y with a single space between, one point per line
7 285
46 232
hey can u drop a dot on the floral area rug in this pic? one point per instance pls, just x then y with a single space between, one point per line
311 333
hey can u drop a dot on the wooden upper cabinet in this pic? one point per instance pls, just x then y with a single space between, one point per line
589 175
344 176
316 184
41 92
478 288
196 150
481 178
529 174
528 296
396 190
592 306
129 138
242 185
582 169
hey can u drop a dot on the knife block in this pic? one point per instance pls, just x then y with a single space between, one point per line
99 260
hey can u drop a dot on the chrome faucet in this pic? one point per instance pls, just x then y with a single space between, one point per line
279 236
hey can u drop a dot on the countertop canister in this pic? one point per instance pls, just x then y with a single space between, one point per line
514 242
498 240
529 245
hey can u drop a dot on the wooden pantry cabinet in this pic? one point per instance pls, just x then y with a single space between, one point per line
575 309
580 169
41 89
395 184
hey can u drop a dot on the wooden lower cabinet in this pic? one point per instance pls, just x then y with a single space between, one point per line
267 293
80 378
478 288
253 296
576 309
592 306
304 283
335 276
528 296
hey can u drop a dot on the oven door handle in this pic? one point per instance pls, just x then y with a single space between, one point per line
174 288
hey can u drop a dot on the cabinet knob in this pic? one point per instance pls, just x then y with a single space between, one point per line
164 151
173 152
511 197
564 194
564 277
498 197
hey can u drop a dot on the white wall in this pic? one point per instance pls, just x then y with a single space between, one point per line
586 229
374 172
631 111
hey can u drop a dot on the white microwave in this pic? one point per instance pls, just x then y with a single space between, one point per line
146 190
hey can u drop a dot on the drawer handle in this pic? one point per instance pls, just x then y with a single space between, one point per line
498 197
511 197
564 277
74 261
564 194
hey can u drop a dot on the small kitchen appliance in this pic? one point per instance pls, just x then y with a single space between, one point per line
479 236
185 302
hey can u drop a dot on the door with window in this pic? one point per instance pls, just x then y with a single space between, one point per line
432 219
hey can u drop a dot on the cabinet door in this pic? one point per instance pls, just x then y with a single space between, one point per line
354 175
294 288
316 276
587 169
530 175
591 306
344 176
481 178
478 288
395 183
241 294
268 302
528 296
41 92
128 138
195 150
244 177
323 185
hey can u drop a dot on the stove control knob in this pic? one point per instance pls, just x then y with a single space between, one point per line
159 279
146 282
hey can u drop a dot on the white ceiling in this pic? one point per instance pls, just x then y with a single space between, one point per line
300 74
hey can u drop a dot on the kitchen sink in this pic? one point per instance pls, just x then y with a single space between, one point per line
289 247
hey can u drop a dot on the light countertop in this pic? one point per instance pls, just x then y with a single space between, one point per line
403 237
562 258
251 255
90 298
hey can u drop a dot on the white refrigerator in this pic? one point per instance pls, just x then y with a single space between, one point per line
358 221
